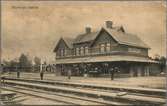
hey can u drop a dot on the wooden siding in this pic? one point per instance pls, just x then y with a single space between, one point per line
62 45
94 49
103 38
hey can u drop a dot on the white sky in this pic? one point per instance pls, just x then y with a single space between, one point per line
36 31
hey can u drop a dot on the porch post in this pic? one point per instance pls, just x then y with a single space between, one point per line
148 71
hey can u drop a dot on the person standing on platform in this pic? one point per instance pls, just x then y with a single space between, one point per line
41 72
18 72
112 73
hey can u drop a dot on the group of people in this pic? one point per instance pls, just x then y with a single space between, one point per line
112 71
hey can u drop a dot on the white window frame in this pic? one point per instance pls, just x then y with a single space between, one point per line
108 47
102 48
82 50
61 52
86 50
77 51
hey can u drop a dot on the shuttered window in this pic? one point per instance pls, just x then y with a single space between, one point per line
82 51
62 52
86 50
108 47
77 51
102 48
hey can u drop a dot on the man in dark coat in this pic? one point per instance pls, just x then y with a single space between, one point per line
112 73
41 71
18 72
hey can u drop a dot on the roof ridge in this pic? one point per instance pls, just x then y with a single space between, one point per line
126 39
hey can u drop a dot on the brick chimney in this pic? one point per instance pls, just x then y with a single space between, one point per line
88 29
109 24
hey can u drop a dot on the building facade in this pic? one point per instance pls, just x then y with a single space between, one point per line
94 53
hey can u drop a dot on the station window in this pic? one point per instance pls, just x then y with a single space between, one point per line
102 48
65 52
62 52
108 47
86 50
82 51
77 51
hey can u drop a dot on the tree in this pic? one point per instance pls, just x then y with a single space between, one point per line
13 65
37 60
156 57
24 63
10 65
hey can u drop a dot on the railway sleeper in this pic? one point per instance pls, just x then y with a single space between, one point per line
109 98
157 94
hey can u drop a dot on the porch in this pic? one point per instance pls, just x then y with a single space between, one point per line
101 69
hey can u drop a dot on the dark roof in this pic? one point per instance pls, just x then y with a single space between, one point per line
69 41
117 33
86 37
126 38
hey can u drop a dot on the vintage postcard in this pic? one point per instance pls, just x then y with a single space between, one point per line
83 53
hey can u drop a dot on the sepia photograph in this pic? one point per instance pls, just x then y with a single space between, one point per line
98 53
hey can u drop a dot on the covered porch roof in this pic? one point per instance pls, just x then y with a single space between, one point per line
114 58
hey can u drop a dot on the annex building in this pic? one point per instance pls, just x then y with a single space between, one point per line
94 52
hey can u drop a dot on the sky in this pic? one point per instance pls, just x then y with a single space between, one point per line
35 27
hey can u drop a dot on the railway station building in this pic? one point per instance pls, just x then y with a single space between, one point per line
95 52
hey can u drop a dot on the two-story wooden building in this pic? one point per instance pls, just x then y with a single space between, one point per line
96 52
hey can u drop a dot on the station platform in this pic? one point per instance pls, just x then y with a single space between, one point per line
156 82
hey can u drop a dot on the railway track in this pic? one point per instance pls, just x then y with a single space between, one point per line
66 99
142 91
85 95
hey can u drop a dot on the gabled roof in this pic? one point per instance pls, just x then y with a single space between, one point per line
117 33
118 28
68 42
126 38
86 37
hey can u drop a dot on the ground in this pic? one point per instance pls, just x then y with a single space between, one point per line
24 99
147 82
